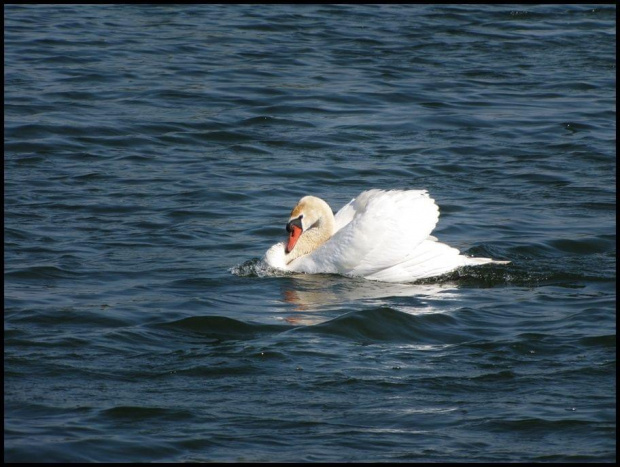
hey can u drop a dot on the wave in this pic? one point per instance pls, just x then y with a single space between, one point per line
222 327
41 272
378 324
386 324
133 413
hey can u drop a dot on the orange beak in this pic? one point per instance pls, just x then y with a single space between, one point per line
294 234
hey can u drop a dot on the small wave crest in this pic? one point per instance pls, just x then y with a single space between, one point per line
256 268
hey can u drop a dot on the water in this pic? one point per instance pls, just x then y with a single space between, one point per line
153 154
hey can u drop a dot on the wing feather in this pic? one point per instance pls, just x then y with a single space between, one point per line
384 229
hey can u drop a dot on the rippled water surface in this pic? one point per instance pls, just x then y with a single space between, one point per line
153 154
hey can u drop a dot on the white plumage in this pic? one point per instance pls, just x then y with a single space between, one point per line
380 235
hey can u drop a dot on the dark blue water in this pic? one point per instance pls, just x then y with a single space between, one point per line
153 154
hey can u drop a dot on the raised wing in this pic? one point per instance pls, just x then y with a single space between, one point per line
383 230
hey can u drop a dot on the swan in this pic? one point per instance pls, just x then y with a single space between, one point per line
382 235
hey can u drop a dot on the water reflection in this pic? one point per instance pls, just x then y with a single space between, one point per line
309 293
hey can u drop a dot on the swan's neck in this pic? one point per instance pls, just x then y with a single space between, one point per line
314 237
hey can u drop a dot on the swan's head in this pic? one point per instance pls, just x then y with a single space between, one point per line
311 218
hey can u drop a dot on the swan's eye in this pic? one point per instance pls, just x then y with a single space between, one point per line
294 222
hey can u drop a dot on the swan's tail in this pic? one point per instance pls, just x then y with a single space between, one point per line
431 258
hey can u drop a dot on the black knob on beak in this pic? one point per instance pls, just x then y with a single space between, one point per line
294 222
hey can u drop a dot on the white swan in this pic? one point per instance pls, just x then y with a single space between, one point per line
380 235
